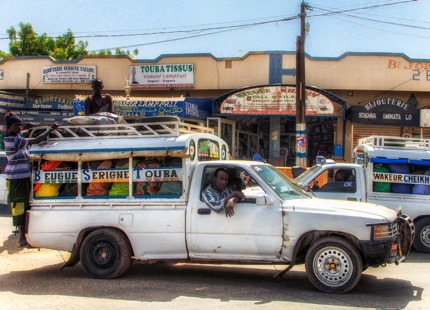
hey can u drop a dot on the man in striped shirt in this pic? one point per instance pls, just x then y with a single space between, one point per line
218 196
18 171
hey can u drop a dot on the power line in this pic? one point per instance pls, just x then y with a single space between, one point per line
181 31
381 29
375 20
167 40
214 30
360 8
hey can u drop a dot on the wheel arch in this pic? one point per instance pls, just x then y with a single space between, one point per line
421 217
307 239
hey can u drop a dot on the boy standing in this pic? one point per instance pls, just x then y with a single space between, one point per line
18 170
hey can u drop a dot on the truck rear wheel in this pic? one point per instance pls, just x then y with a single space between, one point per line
422 236
105 254
333 265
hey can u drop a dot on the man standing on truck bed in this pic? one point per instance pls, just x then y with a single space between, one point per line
98 102
218 196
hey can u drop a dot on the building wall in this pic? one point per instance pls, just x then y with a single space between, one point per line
350 72
355 77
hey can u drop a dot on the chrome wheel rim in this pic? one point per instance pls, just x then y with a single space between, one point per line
425 236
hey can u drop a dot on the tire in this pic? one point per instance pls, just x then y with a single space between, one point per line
333 265
105 254
422 236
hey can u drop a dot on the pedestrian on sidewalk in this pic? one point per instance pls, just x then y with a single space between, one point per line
18 170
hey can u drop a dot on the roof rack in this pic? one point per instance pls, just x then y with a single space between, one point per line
157 127
395 142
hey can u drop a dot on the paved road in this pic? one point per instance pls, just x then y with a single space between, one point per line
31 279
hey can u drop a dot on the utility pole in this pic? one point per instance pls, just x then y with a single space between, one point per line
301 136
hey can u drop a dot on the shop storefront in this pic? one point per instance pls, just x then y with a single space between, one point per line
265 122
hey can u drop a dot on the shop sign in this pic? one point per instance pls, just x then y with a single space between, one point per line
275 100
386 111
184 107
68 74
50 103
162 76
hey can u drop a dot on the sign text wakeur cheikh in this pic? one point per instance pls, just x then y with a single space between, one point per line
108 175
401 178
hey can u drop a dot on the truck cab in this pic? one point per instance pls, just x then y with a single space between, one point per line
330 180
390 171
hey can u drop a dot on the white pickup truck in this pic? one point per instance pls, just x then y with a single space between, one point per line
277 222
389 171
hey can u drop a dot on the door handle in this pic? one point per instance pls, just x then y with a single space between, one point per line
351 199
204 211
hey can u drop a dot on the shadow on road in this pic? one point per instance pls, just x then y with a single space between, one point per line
10 243
164 282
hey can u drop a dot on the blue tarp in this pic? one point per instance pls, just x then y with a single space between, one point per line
383 160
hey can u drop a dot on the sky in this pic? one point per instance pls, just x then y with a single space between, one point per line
229 28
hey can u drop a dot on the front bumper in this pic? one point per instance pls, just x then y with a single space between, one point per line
393 250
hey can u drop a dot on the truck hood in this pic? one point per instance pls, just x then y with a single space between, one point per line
340 207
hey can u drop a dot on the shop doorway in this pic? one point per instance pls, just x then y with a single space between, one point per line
248 145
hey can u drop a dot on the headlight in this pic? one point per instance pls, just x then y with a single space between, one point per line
384 231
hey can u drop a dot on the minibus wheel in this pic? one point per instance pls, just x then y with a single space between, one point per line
422 235
105 254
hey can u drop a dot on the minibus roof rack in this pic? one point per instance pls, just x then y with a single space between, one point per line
395 142
87 127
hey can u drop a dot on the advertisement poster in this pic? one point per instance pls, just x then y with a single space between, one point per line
162 76
68 74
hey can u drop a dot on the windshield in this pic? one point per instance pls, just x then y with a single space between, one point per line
304 176
279 182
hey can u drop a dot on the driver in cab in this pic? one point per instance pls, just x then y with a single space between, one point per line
218 196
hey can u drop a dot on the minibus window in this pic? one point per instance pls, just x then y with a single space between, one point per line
157 177
208 150
53 179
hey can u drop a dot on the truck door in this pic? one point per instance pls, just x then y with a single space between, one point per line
339 183
254 232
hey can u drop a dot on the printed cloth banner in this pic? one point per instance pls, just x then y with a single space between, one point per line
183 107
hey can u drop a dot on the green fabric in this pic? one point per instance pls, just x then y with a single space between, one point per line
171 188
119 188
381 186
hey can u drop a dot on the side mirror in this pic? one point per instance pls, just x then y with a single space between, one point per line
264 200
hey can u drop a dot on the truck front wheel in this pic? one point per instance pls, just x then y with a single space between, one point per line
333 265
105 254
422 236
